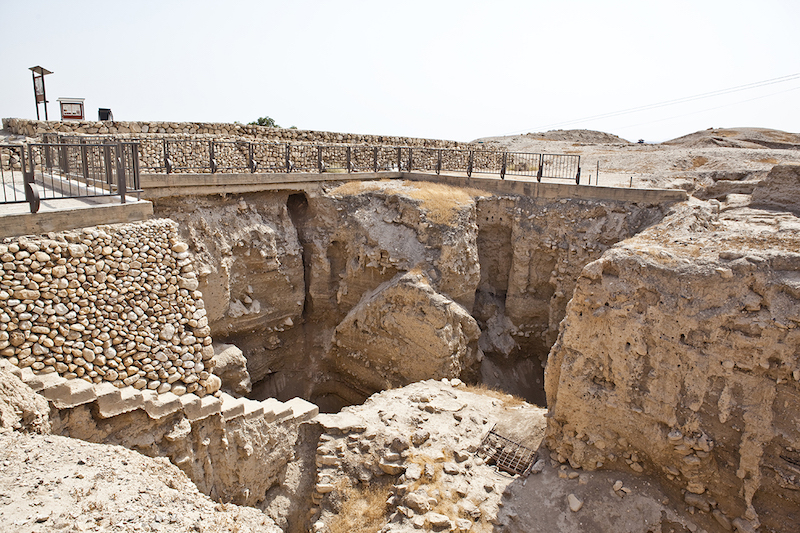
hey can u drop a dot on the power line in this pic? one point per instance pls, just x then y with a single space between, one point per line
709 109
666 103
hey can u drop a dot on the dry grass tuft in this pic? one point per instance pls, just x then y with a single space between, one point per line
769 161
509 400
439 202
364 509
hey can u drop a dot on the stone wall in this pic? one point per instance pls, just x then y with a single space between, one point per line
191 147
33 128
116 304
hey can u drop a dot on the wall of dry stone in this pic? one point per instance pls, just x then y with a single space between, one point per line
33 128
116 304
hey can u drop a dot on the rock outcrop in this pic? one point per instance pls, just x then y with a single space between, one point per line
779 190
678 357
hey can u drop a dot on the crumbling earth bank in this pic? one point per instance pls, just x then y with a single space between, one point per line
678 357
54 483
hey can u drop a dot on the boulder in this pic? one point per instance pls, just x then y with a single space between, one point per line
404 331
230 366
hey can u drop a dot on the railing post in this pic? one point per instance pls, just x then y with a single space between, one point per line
399 156
211 161
439 161
250 161
167 162
374 159
503 166
48 157
541 168
288 158
469 163
319 159
28 177
349 169
410 159
85 164
109 169
135 160
122 185
63 160
578 177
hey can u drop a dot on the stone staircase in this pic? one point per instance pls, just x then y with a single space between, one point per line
112 401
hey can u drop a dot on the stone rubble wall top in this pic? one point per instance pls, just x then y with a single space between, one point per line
35 128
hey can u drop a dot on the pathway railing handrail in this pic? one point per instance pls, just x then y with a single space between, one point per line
177 155
58 170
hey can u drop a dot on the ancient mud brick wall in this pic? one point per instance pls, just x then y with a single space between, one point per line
115 303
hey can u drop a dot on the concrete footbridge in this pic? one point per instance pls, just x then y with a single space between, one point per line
112 179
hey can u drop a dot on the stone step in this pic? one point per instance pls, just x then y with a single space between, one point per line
275 410
160 405
39 382
231 407
253 408
196 408
112 401
69 393
302 410
8 367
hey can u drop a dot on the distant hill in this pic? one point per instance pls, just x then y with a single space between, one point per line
738 138
575 136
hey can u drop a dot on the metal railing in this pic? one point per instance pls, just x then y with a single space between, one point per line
49 171
12 173
179 155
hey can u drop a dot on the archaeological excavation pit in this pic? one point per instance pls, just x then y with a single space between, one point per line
337 293
658 335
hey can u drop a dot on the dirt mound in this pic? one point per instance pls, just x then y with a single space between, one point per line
574 136
580 136
738 138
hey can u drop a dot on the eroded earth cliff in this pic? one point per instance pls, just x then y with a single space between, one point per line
328 293
678 357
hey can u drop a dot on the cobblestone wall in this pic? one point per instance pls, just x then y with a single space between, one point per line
115 303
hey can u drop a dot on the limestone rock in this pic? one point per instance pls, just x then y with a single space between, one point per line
230 366
404 331
780 189
575 504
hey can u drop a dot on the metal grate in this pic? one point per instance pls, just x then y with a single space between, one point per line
507 455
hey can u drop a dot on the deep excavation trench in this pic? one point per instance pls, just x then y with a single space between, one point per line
301 282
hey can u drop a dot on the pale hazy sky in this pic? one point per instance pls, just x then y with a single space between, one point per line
452 69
